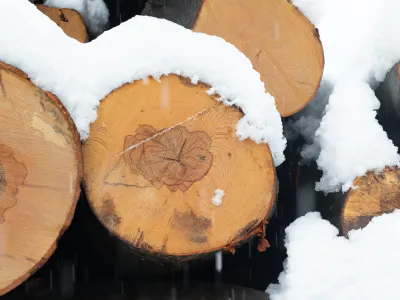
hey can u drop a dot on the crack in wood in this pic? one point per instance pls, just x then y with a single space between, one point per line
163 132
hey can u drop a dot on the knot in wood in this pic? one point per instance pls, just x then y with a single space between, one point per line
173 157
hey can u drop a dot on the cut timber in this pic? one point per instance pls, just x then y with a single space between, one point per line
282 44
69 20
375 195
154 159
40 175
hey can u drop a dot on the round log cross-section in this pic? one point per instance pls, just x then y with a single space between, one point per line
40 175
283 46
69 20
375 195
165 172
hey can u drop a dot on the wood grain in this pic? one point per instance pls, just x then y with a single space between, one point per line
376 194
282 44
40 175
155 156
69 20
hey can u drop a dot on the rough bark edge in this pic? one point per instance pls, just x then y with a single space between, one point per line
347 196
256 230
79 158
156 8
62 11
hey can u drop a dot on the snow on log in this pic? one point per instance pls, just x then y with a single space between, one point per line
69 20
157 156
201 57
40 175
282 44
374 194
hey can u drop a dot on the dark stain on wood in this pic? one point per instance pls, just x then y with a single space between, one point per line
13 175
63 18
317 33
182 12
108 216
139 243
164 244
190 220
48 105
390 201
198 239
357 223
194 226
246 231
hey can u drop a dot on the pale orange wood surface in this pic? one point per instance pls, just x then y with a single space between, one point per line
40 175
279 40
69 20
155 157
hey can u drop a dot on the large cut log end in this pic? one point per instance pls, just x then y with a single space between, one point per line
283 46
40 174
374 195
69 20
166 173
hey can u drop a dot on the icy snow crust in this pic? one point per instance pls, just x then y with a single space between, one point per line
360 46
83 74
94 12
323 266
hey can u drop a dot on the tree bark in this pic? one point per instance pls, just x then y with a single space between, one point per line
282 44
40 175
154 159
69 20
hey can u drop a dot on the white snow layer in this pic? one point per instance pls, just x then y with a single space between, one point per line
217 198
323 266
94 12
360 45
80 75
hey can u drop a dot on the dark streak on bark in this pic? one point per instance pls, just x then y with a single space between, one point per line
182 12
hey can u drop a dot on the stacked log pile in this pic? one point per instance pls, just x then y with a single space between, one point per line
283 46
164 170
